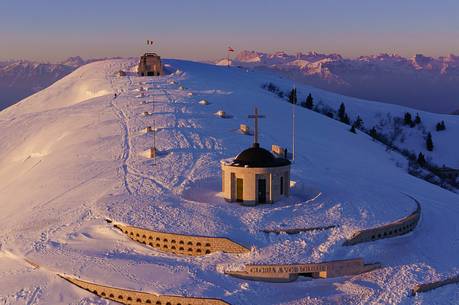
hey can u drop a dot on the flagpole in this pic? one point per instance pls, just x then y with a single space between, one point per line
293 130
154 141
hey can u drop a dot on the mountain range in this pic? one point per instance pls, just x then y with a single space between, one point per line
420 81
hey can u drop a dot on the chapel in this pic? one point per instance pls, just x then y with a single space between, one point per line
150 65
255 176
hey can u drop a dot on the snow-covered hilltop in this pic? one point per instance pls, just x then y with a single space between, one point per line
420 81
73 155
21 78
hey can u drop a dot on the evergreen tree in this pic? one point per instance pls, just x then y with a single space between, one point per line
441 126
373 133
353 129
438 127
417 119
421 159
407 119
346 119
341 111
309 103
358 123
429 142
292 98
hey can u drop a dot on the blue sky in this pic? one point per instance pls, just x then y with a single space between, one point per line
202 29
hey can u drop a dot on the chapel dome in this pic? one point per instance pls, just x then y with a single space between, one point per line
257 156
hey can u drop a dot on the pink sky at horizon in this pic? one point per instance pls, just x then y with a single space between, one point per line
52 30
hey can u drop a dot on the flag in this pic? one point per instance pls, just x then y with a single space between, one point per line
230 49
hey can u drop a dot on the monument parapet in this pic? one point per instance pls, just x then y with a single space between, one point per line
290 272
181 244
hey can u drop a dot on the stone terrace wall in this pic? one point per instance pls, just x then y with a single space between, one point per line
430 286
136 297
396 228
288 273
297 230
181 244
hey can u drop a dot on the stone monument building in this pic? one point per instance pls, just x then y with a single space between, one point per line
255 176
150 65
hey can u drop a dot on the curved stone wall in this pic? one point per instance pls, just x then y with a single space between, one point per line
288 273
129 297
396 228
181 244
298 230
430 286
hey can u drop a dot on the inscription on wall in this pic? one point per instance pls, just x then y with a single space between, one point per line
287 273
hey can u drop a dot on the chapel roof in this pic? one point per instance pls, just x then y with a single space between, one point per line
257 156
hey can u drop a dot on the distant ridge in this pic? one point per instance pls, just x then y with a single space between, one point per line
420 81
21 78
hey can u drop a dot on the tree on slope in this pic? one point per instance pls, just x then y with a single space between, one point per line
429 142
292 98
309 103
358 122
407 119
417 119
342 115
373 133
341 111
441 126
421 159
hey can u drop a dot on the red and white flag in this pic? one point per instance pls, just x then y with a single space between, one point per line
230 49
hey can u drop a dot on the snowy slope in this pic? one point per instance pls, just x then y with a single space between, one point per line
381 115
22 78
72 155
19 79
377 114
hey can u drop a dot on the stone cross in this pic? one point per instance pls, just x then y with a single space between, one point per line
255 117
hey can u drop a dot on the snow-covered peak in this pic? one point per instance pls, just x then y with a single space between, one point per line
21 78
250 56
224 62
75 61
420 61
83 84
